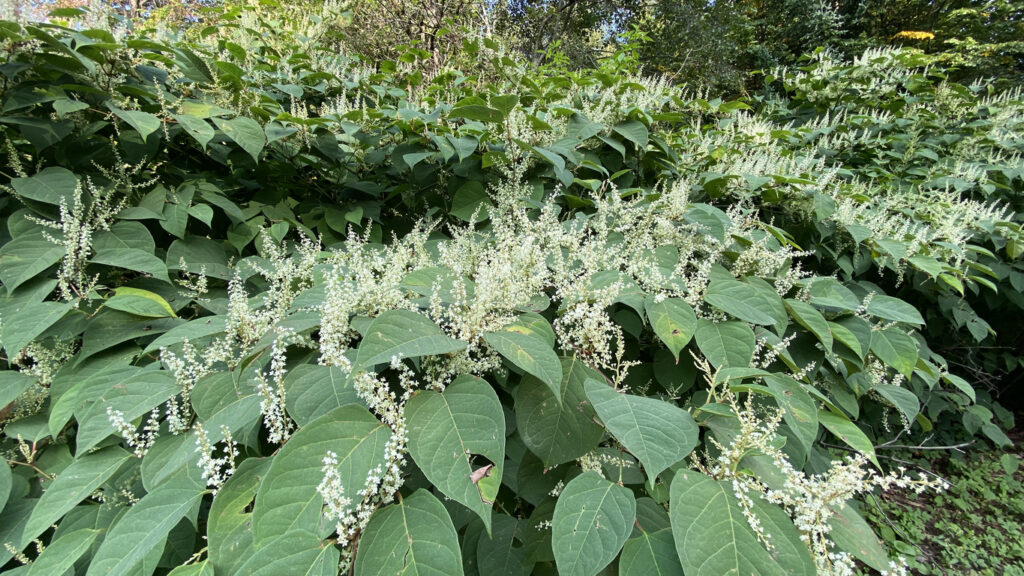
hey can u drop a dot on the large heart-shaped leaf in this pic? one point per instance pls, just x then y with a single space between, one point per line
529 353
146 524
51 185
403 334
726 344
593 517
558 429
414 536
897 349
75 483
713 537
245 132
229 530
288 498
659 434
740 300
447 430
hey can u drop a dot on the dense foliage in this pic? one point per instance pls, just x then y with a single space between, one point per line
270 310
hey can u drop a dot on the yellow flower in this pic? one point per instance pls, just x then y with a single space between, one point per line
914 35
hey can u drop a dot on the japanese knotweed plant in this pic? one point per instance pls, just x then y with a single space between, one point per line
357 319
366 374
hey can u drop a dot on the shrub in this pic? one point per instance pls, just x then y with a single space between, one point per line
270 311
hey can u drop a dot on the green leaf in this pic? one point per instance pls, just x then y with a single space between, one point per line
65 106
6 481
740 300
801 414
659 434
889 308
593 517
229 529
50 185
298 552
471 198
12 385
464 146
505 103
447 430
75 385
847 338
529 353
24 319
673 321
403 334
202 212
769 301
12 524
961 385
650 554
192 330
196 128
75 483
288 498
712 535
829 293
134 397
498 553
859 328
896 349
558 429
26 256
848 432
140 303
143 122
62 553
313 390
635 132
903 399
533 324
175 213
852 534
199 254
203 568
725 344
477 112
411 160
809 317
135 260
41 133
245 132
414 536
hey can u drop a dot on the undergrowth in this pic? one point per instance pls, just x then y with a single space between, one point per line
975 527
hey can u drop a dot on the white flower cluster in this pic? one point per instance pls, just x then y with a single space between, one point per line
591 462
216 470
332 490
188 366
384 481
270 388
557 490
42 362
139 443
811 501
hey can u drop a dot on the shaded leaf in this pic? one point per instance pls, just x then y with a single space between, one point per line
593 517
446 429
673 321
403 334
659 434
413 536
